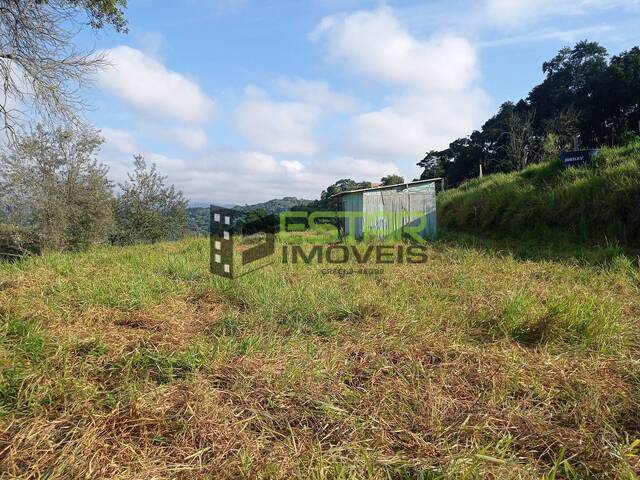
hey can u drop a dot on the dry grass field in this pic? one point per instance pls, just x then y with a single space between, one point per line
134 362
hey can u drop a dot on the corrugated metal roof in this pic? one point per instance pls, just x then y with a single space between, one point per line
406 184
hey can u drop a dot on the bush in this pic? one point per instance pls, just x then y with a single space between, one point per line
148 210
17 242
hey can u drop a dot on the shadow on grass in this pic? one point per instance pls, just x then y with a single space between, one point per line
547 245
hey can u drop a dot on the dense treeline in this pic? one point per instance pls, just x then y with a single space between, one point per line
586 99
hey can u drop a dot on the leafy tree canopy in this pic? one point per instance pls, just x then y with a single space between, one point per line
585 98
392 180
148 210
51 181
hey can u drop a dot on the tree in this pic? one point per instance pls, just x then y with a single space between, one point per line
392 180
561 132
583 95
618 96
147 210
521 142
51 180
258 220
492 140
464 157
40 67
327 202
433 164
572 78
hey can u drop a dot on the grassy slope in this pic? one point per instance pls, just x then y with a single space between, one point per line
600 203
135 363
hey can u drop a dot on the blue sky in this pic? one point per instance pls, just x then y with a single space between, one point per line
240 101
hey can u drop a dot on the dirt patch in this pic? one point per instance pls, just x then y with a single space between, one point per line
174 324
140 321
7 285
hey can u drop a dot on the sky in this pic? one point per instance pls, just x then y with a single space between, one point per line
242 101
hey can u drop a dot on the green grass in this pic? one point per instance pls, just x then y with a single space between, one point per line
136 362
543 202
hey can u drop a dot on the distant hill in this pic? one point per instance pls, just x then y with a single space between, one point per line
199 216
275 206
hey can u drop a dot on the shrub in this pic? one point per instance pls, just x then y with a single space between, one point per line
17 242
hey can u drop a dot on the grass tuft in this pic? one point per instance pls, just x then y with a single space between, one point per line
544 201
482 363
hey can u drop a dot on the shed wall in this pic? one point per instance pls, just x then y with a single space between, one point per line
386 212
352 202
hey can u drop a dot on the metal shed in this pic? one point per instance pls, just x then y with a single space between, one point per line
384 212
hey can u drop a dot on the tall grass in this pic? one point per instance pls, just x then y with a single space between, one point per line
134 362
596 203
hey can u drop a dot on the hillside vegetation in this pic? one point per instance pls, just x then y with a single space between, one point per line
599 203
276 205
585 93
198 220
134 362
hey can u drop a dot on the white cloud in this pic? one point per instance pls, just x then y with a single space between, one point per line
518 13
250 177
194 139
239 176
151 43
357 168
376 44
287 127
566 36
164 162
414 123
292 165
119 140
150 87
437 97
316 93
242 177
278 127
